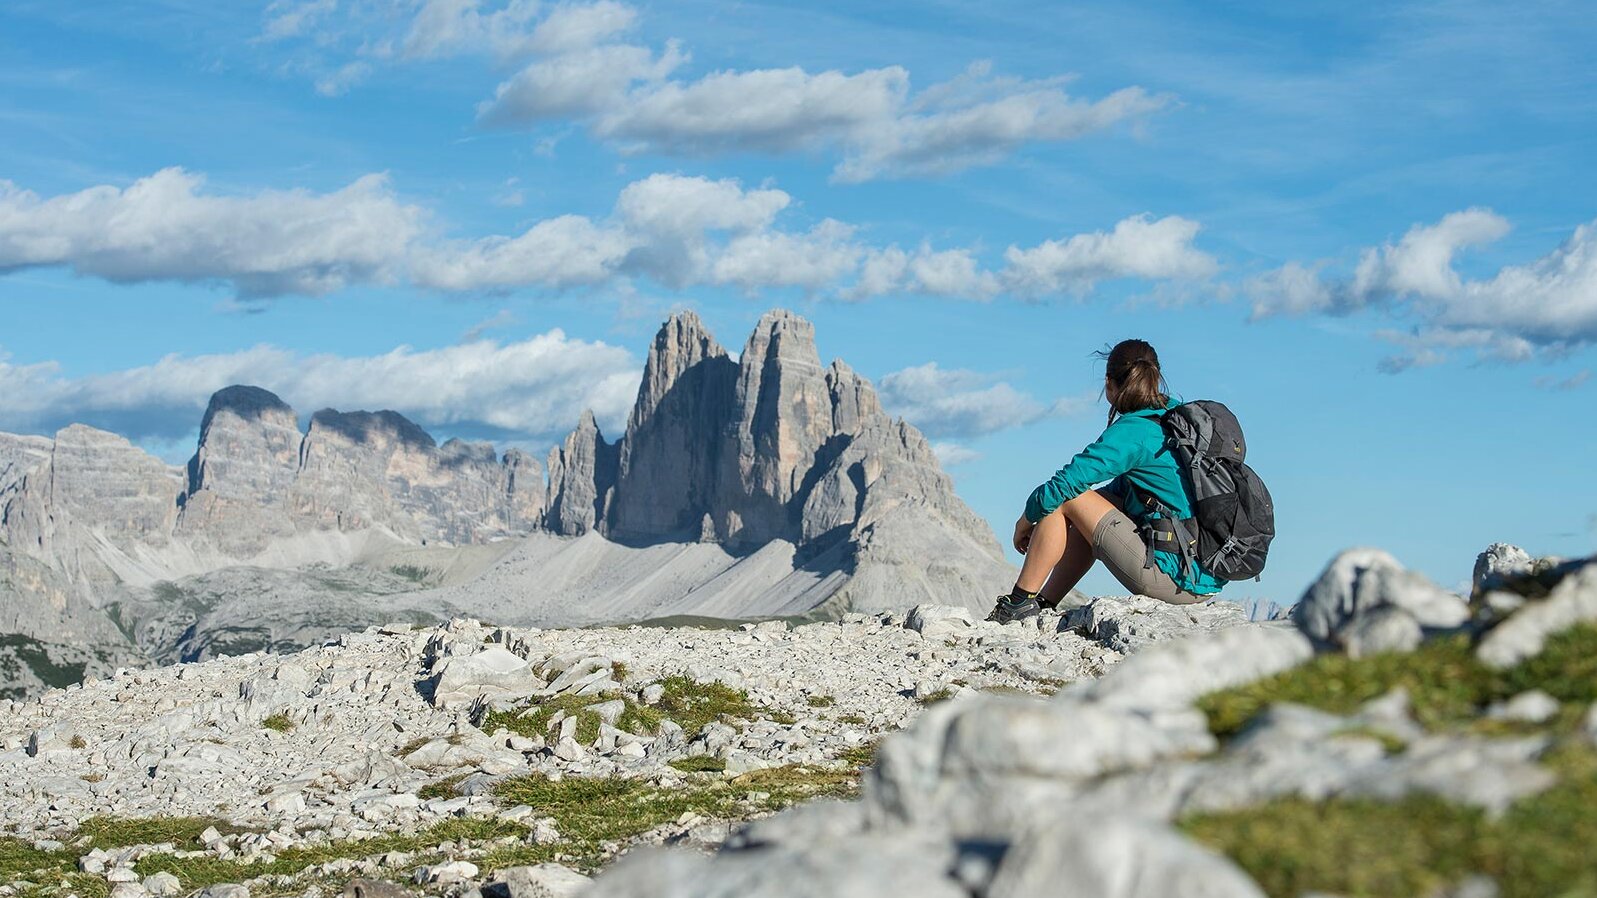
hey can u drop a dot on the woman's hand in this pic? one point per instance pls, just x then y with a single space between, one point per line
1023 529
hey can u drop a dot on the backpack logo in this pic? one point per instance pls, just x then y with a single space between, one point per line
1232 508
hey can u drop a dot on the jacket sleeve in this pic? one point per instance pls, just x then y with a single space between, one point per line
1116 452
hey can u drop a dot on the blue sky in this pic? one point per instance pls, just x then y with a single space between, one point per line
1368 230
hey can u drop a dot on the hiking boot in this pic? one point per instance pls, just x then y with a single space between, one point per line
1012 609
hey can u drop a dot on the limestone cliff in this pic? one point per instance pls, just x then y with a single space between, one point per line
768 485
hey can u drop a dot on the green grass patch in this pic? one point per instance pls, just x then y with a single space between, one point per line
693 704
1446 685
941 694
119 832
820 701
689 703
444 788
699 764
198 872
859 756
597 815
1367 848
21 862
853 719
278 722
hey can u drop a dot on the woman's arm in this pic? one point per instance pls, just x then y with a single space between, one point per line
1117 451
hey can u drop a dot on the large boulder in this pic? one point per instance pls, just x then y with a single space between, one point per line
1366 602
1572 600
493 673
1128 623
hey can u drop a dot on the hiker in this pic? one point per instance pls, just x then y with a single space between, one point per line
1147 502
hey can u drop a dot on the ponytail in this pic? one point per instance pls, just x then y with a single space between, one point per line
1133 367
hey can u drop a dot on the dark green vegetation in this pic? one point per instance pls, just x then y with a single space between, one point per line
42 873
688 703
1445 683
415 573
118 832
699 764
1390 849
36 657
820 701
197 872
444 788
598 815
1367 848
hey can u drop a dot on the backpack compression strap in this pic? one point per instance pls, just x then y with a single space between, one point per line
1168 533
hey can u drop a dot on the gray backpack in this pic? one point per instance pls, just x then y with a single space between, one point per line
1232 510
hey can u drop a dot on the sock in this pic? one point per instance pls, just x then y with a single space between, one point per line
1018 595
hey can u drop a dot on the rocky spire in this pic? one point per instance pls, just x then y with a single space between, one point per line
782 418
249 446
581 479
669 457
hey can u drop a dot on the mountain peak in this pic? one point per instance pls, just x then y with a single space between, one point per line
248 402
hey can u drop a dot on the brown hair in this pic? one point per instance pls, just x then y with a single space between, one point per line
1133 367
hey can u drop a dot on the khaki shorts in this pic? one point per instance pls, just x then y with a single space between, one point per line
1119 546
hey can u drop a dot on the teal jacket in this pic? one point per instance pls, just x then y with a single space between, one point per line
1131 453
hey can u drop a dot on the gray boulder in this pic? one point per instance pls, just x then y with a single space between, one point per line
1116 858
1498 564
493 673
539 881
1129 623
1366 602
1573 600
866 865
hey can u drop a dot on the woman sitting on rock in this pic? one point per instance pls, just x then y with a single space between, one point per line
1068 525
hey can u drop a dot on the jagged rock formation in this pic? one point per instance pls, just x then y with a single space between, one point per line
256 479
763 486
770 447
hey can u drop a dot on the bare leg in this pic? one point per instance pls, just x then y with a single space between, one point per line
1070 569
1049 540
1060 552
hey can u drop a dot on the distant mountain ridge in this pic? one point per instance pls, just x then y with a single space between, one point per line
777 485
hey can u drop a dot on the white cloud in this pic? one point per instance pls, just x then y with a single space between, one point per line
1292 289
1549 304
945 402
677 230
772 110
1421 264
1572 382
574 26
977 120
530 390
556 253
575 63
342 79
951 273
162 228
817 258
498 321
291 18
951 454
577 84
871 118
444 28
1140 247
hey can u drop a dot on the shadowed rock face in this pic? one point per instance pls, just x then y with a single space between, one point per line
772 446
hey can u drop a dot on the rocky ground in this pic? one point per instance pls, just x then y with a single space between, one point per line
1391 738
316 764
